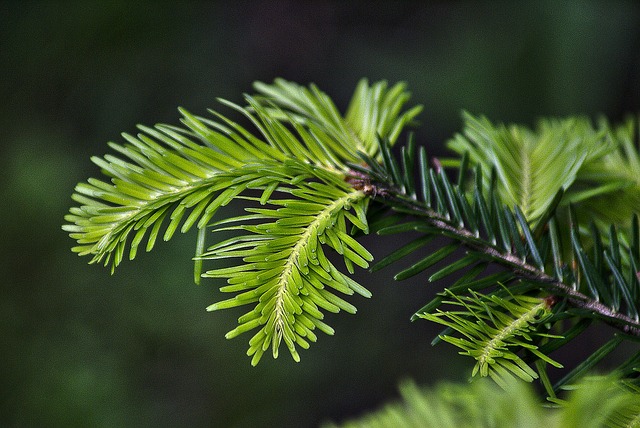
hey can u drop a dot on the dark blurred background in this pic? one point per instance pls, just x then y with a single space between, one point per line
79 347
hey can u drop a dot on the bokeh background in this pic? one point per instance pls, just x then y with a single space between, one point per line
79 347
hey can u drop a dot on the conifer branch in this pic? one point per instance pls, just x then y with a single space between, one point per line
523 269
306 175
295 161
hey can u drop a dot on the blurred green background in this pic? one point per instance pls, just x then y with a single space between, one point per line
79 347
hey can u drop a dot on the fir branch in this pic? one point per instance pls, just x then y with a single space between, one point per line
304 165
178 178
284 270
440 219
492 328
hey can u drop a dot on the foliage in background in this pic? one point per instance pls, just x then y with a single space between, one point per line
312 179
482 404
596 166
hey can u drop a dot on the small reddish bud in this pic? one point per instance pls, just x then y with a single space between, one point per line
550 301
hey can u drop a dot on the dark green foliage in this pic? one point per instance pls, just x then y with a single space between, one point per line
575 284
